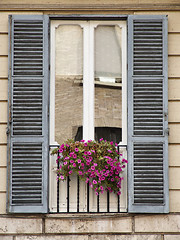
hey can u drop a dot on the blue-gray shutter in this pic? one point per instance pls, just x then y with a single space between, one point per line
147 114
28 114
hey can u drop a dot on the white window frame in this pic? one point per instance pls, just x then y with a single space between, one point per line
88 90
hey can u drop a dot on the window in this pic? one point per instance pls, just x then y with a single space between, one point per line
88 89
147 123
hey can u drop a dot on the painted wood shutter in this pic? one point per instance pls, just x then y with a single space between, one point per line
28 117
147 114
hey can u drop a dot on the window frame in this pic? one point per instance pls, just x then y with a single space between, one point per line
88 73
88 90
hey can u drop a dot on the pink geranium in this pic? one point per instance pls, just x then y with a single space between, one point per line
97 163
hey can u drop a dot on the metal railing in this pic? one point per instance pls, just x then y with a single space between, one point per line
91 203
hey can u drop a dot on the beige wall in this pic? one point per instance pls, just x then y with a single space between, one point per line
174 83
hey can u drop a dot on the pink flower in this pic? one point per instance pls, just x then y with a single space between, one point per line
111 142
89 153
70 172
71 161
74 156
82 164
95 164
74 165
109 151
76 150
71 154
85 144
80 173
101 139
124 160
94 182
90 159
92 167
62 177
79 161
65 163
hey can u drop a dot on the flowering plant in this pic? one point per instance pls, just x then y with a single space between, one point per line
97 163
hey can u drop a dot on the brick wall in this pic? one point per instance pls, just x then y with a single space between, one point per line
69 108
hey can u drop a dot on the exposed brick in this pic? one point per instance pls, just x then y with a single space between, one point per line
69 108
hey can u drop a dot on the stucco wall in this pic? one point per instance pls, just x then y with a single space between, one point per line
136 227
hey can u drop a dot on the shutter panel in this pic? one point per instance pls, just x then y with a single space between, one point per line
147 114
28 137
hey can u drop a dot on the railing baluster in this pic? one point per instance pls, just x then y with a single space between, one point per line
88 197
108 201
98 203
68 194
58 183
77 193
118 203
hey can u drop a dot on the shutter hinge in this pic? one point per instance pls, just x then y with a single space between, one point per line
167 132
165 116
7 131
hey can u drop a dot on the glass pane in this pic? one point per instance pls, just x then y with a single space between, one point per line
68 86
108 83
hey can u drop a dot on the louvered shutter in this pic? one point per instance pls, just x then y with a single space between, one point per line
28 119
147 114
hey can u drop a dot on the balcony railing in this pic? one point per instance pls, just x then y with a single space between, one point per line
75 196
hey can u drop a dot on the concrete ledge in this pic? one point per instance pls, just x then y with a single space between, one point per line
92 237
64 237
6 238
172 237
106 225
20 226
158 223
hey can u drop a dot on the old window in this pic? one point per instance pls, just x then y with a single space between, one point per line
88 90
93 77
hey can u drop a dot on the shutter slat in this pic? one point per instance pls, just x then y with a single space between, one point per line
147 114
28 32
28 140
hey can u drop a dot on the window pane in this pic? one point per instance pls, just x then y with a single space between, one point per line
68 86
108 83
